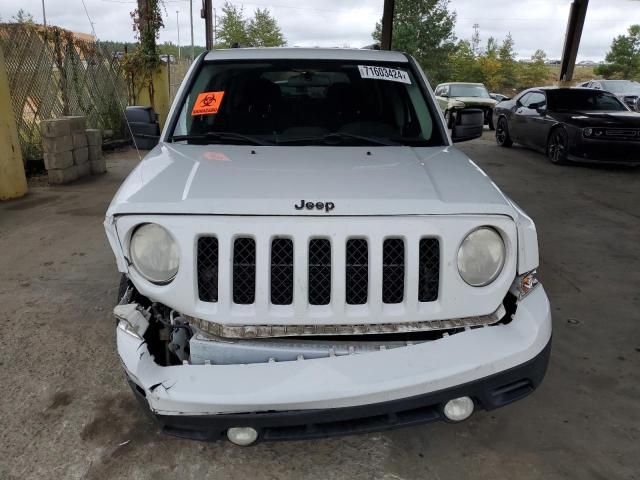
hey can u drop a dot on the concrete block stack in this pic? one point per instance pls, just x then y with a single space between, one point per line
80 146
70 150
96 160
57 145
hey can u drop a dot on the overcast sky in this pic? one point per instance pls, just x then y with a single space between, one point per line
533 23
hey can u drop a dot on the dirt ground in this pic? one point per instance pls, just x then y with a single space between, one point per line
66 411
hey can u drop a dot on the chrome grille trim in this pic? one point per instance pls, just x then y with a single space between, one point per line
269 331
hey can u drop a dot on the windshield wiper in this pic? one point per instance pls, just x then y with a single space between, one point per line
211 137
336 138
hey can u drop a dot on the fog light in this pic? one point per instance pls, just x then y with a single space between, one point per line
242 436
587 132
458 409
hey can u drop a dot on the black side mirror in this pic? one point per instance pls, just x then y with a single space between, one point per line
540 107
469 125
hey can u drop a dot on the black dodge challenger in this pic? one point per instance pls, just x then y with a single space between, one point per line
570 124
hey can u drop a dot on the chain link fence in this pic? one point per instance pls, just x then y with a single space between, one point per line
53 73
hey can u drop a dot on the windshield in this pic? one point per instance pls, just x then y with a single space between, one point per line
583 99
303 102
621 86
468 91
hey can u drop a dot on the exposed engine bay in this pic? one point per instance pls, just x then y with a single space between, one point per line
173 340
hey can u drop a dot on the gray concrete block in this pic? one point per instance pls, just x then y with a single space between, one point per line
79 140
59 160
55 127
98 166
84 169
94 136
81 155
57 144
95 153
59 176
77 123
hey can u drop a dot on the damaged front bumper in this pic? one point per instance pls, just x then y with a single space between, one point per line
346 394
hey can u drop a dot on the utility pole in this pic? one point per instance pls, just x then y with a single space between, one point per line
206 13
387 24
178 23
44 15
193 50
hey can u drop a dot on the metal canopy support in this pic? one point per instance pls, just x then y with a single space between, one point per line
577 15
387 24
206 13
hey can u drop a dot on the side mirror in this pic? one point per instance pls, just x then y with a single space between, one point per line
538 107
469 125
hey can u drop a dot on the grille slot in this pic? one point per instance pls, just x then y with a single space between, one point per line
208 269
429 270
357 271
244 271
393 270
282 271
319 271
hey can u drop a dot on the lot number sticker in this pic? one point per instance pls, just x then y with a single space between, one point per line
207 103
384 73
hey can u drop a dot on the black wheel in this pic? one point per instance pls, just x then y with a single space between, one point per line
449 118
490 120
558 146
502 133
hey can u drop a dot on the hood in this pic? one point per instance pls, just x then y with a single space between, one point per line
252 180
622 119
476 101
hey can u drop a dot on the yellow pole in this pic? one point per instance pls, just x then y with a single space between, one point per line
13 183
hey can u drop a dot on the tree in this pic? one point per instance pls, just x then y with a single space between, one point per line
623 59
508 66
424 29
233 27
536 72
465 68
144 62
263 30
23 17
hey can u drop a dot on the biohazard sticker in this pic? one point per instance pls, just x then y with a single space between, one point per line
207 103
384 73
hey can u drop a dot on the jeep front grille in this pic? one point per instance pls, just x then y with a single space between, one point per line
244 271
282 271
318 280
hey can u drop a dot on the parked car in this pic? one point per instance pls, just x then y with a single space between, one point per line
571 124
498 97
453 97
320 259
628 91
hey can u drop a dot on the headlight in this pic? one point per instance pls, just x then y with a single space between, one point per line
481 257
458 104
587 132
154 253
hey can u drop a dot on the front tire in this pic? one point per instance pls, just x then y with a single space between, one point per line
502 133
558 146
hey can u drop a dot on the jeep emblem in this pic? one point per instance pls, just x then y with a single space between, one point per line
326 206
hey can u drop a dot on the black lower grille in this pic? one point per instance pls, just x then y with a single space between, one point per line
429 270
282 271
319 271
244 271
393 270
208 269
357 271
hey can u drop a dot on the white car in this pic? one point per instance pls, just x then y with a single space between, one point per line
305 253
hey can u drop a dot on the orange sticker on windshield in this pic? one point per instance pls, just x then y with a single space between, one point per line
207 103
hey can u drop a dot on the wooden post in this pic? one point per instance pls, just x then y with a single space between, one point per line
387 24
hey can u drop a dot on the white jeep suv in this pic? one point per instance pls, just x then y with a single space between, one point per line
306 254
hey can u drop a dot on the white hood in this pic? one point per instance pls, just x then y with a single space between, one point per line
254 180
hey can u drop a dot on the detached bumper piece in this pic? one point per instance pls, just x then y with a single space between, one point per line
488 393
